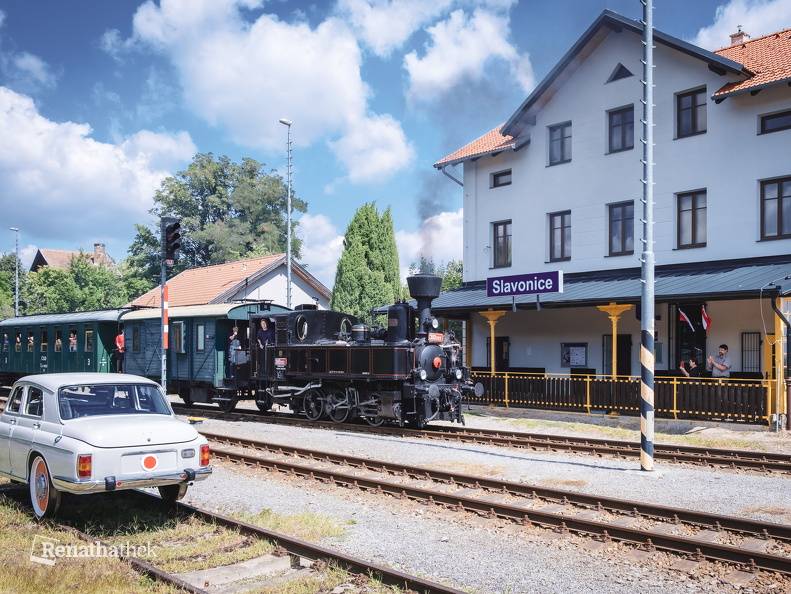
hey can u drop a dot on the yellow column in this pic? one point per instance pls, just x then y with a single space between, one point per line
614 311
492 316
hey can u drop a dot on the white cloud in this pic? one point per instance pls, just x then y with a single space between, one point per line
756 18
322 247
61 185
461 48
439 238
385 25
244 76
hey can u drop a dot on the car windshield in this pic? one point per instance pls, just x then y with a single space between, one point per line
110 399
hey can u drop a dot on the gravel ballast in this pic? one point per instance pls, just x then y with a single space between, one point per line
493 556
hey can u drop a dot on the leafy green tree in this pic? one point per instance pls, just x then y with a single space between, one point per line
367 275
80 287
228 211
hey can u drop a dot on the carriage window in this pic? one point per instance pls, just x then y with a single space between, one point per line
135 339
18 344
89 341
72 340
30 342
301 327
58 341
200 337
178 337
35 402
43 341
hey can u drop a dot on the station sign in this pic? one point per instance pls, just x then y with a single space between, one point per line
525 284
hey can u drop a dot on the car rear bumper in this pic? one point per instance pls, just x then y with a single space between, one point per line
111 483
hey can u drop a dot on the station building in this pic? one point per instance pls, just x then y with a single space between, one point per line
557 189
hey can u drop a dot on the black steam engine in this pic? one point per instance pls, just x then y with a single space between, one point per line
327 364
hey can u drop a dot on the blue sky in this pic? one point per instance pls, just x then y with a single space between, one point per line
102 99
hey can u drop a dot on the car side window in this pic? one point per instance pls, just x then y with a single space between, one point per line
35 402
15 400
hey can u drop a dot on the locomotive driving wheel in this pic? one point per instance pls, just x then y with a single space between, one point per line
337 406
313 405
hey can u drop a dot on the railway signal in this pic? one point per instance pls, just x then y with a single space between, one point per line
170 239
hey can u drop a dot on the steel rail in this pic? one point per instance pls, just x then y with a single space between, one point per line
300 548
732 459
559 521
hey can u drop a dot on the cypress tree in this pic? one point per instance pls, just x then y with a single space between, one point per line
367 275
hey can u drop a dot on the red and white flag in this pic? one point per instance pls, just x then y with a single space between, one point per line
682 317
705 318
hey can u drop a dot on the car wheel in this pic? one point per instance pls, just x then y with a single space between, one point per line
44 497
172 492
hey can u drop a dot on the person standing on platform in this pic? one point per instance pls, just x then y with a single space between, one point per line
720 365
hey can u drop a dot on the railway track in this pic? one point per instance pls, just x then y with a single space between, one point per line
746 544
300 554
679 454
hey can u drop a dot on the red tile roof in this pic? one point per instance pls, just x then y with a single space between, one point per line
488 143
62 258
767 58
199 286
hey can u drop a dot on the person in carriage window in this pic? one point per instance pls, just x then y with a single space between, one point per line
233 348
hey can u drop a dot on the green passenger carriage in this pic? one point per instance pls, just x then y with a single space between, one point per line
54 343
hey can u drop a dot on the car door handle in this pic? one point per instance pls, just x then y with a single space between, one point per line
37 425
12 421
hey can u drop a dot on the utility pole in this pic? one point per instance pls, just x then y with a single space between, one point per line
16 273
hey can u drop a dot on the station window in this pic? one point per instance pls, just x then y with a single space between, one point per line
200 337
691 113
89 341
776 122
501 178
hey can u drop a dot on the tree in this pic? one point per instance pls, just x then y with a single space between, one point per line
80 287
451 273
228 211
367 275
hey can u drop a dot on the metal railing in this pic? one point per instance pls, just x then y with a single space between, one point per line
744 400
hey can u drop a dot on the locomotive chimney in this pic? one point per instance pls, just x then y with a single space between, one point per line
424 288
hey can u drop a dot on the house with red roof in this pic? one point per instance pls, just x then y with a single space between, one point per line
555 195
62 258
252 279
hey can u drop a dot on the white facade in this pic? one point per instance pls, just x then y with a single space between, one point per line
728 161
726 164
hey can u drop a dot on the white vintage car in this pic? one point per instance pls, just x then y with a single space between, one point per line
95 432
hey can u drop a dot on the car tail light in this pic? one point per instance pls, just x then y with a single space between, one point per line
84 469
204 455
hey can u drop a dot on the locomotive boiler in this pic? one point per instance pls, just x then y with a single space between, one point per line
327 364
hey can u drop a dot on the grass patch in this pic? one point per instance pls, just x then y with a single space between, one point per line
306 526
88 575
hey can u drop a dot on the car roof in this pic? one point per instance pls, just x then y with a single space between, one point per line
53 381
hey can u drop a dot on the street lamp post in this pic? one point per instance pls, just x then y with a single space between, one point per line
16 273
287 123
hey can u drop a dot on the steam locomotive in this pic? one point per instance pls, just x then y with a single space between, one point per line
323 364
327 364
